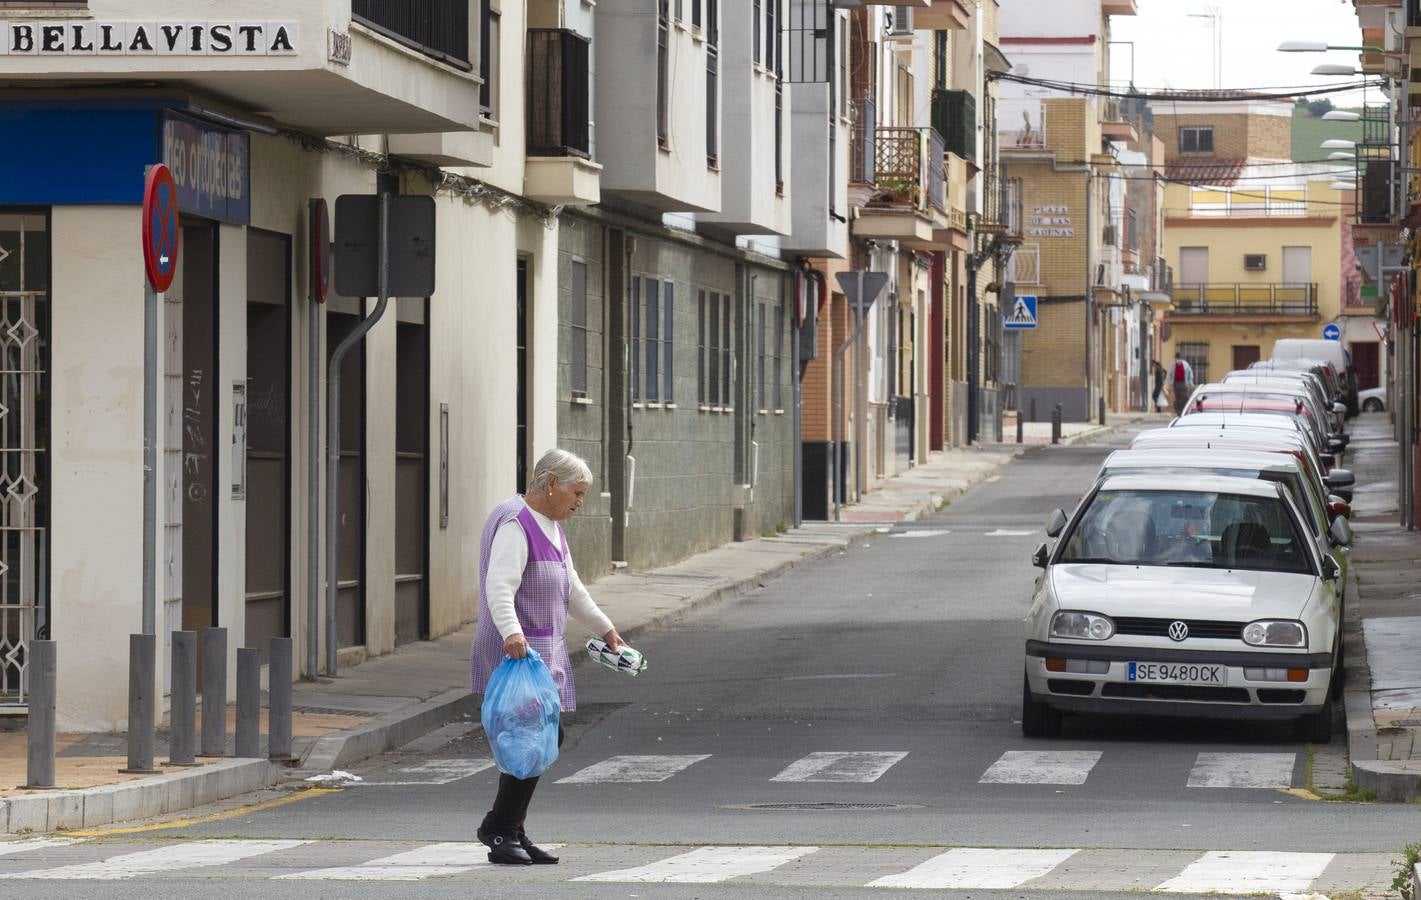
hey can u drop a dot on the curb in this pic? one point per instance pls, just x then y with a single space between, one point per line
388 731
142 798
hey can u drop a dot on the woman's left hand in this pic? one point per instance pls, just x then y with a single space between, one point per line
614 640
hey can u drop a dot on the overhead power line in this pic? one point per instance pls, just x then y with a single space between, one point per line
1221 96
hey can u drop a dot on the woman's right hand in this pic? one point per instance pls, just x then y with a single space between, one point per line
515 646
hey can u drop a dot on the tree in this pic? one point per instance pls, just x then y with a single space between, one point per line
1319 108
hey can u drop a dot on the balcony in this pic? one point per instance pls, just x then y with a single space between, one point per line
1029 131
1119 8
1257 300
821 154
1114 125
943 14
339 67
910 199
559 171
658 108
954 116
954 235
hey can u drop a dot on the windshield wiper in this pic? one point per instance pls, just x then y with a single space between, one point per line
1104 560
1191 564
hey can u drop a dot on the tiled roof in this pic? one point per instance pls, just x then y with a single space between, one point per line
1221 172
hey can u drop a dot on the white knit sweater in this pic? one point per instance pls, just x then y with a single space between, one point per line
506 561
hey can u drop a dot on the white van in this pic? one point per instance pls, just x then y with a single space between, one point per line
1328 351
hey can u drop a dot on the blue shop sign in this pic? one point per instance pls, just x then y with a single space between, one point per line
211 167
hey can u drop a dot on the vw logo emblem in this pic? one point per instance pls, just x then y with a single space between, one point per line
1178 631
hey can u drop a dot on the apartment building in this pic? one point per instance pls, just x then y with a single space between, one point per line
442 403
1066 152
1256 240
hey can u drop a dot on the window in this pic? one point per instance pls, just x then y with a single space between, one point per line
712 88
779 357
725 352
844 74
702 397
635 346
772 35
667 333
755 31
940 60
663 89
713 350
578 376
680 11
1196 139
490 19
696 13
1196 353
653 339
760 367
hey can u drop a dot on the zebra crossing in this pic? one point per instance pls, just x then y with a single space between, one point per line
1272 771
923 868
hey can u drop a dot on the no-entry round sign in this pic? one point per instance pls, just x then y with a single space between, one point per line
160 227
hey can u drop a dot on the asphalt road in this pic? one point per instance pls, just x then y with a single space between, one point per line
858 719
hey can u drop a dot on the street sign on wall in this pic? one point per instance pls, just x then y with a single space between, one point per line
1330 332
160 227
1023 313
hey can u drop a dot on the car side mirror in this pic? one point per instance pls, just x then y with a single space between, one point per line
1341 530
1340 511
1340 478
1335 444
1038 559
1343 494
1330 569
1340 409
1057 523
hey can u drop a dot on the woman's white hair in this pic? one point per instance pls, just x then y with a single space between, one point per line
568 468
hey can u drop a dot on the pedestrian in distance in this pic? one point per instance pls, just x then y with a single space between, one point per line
527 589
1157 395
1183 380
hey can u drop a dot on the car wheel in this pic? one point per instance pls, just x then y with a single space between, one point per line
1316 728
1372 404
1037 719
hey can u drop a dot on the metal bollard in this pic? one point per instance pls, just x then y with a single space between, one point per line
249 703
142 659
278 704
1056 424
1033 410
183 716
1018 426
1102 410
41 669
214 692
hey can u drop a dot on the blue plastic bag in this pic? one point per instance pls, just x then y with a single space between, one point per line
520 716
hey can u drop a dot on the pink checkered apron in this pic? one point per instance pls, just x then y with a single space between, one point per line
541 603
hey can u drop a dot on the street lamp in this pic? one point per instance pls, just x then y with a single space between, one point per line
1338 144
1342 154
1341 115
1323 47
1335 69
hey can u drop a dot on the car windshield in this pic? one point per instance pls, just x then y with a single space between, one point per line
1302 497
1196 529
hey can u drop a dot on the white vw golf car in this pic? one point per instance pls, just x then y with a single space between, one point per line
1184 595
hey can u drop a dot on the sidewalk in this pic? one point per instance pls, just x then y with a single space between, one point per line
1383 694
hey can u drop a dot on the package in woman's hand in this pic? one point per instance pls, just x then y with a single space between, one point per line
624 659
520 716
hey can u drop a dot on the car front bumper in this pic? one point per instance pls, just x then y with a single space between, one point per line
1235 697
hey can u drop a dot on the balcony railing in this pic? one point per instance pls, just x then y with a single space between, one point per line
861 151
954 116
557 93
437 28
1272 299
1030 134
908 165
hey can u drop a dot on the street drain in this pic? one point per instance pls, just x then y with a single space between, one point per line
825 807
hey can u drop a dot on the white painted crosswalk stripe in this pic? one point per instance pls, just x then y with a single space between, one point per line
1041 767
632 769
1243 770
1248 872
970 868
434 771
707 865
27 844
432 861
193 855
851 766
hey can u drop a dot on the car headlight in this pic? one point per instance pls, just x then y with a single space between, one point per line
1082 626
1270 633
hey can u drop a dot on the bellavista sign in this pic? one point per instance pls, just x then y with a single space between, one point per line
148 38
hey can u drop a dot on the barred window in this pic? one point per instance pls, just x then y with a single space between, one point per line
1196 353
636 339
578 374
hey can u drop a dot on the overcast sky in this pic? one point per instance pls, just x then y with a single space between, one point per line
1173 50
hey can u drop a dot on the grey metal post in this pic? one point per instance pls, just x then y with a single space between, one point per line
1056 424
142 656
1102 409
1033 409
150 458
313 490
249 702
183 717
278 703
214 692
40 737
1019 424
333 429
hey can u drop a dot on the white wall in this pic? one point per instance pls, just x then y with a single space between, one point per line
1058 18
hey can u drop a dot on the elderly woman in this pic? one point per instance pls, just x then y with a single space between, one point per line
528 586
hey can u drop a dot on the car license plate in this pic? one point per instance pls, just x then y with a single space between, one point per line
1176 673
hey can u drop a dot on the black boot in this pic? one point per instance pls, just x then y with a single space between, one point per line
538 855
504 849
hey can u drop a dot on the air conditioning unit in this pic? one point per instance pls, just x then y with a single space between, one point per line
1109 237
900 21
1255 262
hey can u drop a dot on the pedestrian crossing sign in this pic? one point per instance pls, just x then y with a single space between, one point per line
1023 313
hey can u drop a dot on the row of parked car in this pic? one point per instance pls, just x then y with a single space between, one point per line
1205 572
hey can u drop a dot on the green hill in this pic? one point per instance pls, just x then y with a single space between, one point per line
1309 133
